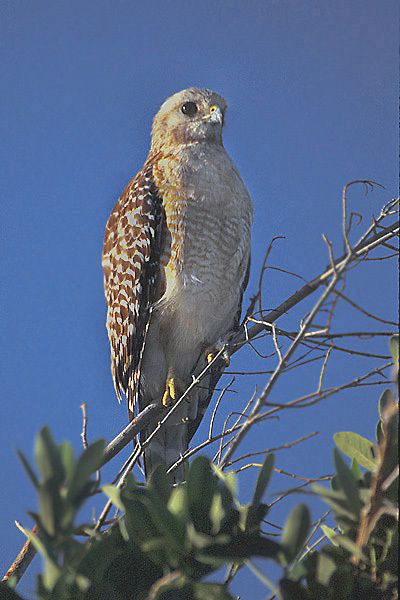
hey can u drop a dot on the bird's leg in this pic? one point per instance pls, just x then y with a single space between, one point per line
174 389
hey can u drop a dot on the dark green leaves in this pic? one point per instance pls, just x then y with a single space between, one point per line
48 458
88 463
165 540
263 478
159 482
197 526
296 531
256 510
201 486
63 486
348 483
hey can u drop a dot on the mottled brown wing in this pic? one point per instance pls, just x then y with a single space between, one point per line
131 266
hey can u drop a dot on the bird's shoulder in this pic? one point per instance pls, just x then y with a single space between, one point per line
137 211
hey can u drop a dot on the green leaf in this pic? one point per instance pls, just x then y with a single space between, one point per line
67 459
338 501
48 456
140 523
50 506
355 469
131 483
114 494
228 479
299 569
296 530
335 485
210 591
394 349
263 479
348 483
255 514
326 566
31 473
386 397
160 483
355 446
88 463
217 513
177 503
346 543
36 541
201 486
330 533
201 483
327 494
54 580
170 526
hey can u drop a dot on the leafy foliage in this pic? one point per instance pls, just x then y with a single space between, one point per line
361 563
167 540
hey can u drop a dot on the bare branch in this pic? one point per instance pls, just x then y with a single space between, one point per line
360 249
84 425
23 560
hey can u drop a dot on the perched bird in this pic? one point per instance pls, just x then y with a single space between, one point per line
176 262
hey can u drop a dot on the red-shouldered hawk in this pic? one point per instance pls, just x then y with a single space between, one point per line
176 262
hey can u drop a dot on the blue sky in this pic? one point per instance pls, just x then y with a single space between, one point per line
312 94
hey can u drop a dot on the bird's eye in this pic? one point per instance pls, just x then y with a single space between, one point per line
189 108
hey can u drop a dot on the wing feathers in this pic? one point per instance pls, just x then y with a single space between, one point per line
131 266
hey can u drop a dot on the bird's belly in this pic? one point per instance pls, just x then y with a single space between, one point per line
196 310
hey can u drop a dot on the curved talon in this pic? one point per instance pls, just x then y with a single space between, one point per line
170 392
211 354
173 390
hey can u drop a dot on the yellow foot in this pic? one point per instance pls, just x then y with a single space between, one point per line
170 392
174 389
210 357
211 353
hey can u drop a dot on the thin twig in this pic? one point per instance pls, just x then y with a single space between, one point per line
336 275
282 447
363 247
216 407
84 425
23 560
362 310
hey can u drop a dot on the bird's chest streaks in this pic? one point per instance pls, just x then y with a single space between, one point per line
199 273
205 251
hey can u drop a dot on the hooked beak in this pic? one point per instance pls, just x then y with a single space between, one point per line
215 115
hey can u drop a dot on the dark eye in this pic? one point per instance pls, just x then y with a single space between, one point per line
189 108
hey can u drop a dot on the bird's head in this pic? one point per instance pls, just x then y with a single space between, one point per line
190 116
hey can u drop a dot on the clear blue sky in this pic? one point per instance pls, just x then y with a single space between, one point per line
311 88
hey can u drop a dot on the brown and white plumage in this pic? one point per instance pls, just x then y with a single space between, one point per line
176 259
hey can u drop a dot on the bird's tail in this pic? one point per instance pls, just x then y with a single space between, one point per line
173 438
171 441
165 448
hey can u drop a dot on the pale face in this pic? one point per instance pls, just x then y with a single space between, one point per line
190 116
